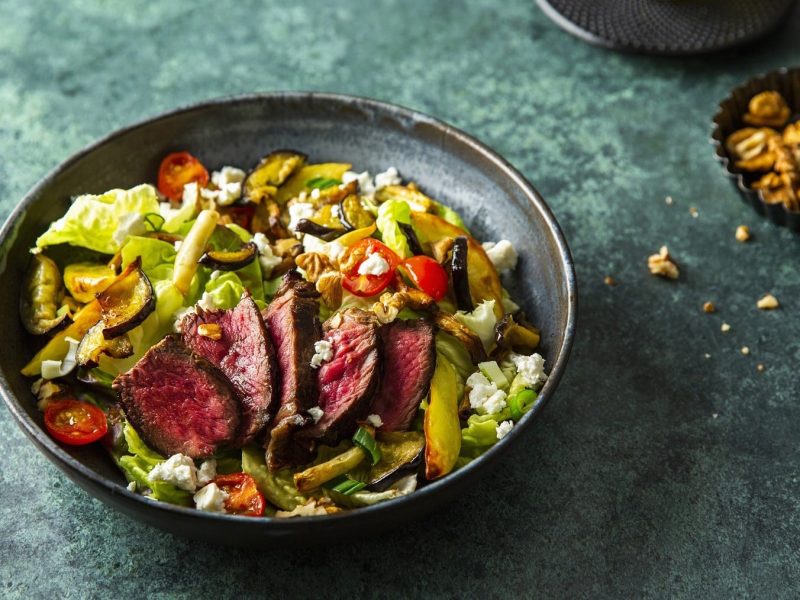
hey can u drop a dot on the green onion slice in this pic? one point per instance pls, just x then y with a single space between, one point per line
155 220
364 439
521 402
321 183
345 485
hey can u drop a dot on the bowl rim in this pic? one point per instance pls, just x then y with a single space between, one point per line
301 525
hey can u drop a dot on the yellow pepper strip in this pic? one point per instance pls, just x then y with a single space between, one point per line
442 428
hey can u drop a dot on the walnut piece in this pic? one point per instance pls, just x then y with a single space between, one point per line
47 391
768 302
791 135
725 328
610 281
767 108
709 307
779 189
742 233
750 148
210 330
314 264
329 286
661 264
745 350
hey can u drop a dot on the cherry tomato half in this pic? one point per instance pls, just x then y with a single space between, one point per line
178 169
243 495
368 285
427 274
74 422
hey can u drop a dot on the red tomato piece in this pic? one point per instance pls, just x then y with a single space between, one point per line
178 169
74 422
368 285
243 495
427 274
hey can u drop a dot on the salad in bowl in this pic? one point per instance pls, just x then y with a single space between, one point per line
297 340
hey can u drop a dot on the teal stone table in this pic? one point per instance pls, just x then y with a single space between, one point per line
666 465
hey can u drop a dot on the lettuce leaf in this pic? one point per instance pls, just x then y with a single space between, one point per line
480 434
390 214
481 321
91 221
224 291
449 215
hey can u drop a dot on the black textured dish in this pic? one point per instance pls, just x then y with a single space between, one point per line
729 119
495 199
668 27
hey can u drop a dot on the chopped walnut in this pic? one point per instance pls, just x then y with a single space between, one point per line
725 328
694 212
313 507
791 135
750 148
767 108
760 367
785 160
329 286
709 307
610 281
779 189
314 264
661 264
47 391
742 233
210 330
745 350
768 302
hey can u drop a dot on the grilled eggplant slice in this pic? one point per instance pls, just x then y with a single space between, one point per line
85 280
126 302
411 238
515 333
230 260
41 307
94 344
321 231
352 213
418 201
309 174
460 274
273 170
400 451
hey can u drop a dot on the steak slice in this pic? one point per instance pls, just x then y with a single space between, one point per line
178 401
244 353
409 358
350 379
293 327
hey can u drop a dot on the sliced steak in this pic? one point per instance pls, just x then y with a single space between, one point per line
178 401
350 379
293 327
244 353
409 358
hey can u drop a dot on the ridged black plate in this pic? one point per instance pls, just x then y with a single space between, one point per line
729 118
671 27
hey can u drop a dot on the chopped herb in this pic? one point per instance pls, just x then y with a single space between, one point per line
321 183
155 221
364 439
521 402
345 485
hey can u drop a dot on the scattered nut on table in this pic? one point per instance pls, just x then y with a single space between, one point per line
767 302
742 233
745 350
609 280
661 264
709 307
725 328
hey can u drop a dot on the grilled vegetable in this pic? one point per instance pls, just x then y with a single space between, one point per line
352 213
230 260
267 220
315 476
413 197
127 301
321 231
411 238
94 344
85 280
58 346
272 171
41 306
484 283
515 334
442 428
400 451
299 181
75 423
192 249
460 275
352 237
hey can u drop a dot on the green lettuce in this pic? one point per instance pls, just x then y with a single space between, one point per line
224 291
278 488
480 434
390 214
449 215
92 221
481 321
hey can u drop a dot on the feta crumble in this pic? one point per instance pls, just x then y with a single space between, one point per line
315 194
375 421
130 224
530 369
210 499
229 181
207 472
374 264
179 470
365 185
389 177
315 412
298 211
323 352
484 397
502 254
504 428
266 258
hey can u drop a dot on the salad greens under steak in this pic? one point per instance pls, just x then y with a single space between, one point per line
297 340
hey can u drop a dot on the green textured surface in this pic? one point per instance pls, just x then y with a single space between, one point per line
654 472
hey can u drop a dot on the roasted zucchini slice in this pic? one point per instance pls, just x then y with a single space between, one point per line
42 306
85 280
273 170
352 213
415 199
94 344
230 260
126 302
310 174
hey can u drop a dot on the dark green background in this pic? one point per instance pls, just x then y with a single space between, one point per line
654 472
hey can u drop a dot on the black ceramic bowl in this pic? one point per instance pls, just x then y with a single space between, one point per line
729 119
494 198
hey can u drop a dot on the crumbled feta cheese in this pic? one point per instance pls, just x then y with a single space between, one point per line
177 244
334 251
504 428
323 352
215 275
389 177
374 264
130 224
315 412
484 396
298 211
530 368
206 302
365 185
229 181
210 498
315 194
375 421
132 486
266 258
502 254
179 317
52 369
179 470
207 472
